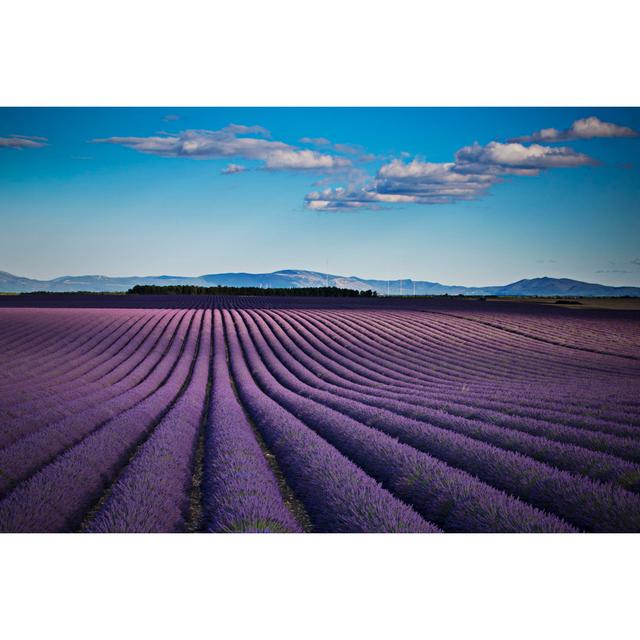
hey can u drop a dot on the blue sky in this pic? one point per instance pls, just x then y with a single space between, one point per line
462 196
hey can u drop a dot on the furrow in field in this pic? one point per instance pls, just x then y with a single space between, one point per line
139 358
58 496
338 495
69 370
367 372
151 493
240 491
451 498
22 459
597 465
587 504
57 398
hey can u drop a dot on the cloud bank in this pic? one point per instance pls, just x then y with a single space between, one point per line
512 157
472 172
234 141
582 129
476 168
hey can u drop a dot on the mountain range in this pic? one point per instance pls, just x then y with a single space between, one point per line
545 286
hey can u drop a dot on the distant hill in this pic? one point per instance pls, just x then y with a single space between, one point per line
300 278
561 287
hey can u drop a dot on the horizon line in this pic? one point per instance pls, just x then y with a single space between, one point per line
405 279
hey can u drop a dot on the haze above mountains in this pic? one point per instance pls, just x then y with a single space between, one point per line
299 278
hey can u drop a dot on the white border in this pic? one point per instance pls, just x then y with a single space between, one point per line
334 52
128 52
323 586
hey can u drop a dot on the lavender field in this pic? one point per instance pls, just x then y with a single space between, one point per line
256 414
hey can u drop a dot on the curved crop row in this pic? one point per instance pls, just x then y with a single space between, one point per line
338 496
588 504
152 493
58 496
449 497
240 492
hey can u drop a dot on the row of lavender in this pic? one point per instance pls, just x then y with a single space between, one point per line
266 418
134 471
587 488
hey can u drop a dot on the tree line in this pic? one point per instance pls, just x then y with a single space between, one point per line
190 290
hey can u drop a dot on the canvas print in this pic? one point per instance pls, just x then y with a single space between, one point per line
319 320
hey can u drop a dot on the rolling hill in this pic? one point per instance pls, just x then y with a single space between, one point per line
544 286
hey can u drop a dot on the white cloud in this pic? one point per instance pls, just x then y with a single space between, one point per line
513 155
233 168
233 141
334 205
303 159
582 129
201 143
23 142
432 182
352 198
429 173
475 170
